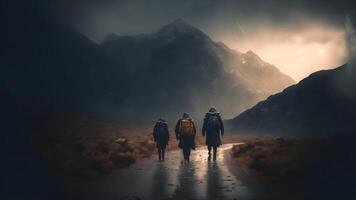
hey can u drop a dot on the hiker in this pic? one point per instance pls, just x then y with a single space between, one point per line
161 137
212 128
185 133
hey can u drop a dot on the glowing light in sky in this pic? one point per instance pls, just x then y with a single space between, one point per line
296 53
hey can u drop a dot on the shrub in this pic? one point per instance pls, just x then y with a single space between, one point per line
120 160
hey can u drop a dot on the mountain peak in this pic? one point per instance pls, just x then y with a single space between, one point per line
179 26
251 53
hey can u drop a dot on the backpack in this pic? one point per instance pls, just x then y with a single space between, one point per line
160 130
186 127
213 122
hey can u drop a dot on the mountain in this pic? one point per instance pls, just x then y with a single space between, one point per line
179 68
49 67
323 103
175 69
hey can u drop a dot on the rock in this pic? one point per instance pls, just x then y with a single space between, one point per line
122 159
280 140
240 149
121 141
259 142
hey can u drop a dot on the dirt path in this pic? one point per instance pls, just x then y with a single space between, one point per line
172 179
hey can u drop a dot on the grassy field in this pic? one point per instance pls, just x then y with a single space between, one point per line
279 158
88 148
308 168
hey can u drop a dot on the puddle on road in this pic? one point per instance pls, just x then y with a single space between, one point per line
173 179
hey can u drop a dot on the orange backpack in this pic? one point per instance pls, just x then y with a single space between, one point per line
186 127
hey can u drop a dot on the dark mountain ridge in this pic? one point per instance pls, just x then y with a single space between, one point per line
176 69
321 104
179 68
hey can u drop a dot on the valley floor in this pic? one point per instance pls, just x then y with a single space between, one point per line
95 159
87 148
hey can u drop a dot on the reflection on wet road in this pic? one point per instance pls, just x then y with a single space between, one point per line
172 179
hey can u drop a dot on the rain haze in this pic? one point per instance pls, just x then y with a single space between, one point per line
299 37
189 99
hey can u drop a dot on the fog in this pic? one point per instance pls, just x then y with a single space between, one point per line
297 53
299 37
351 37
348 82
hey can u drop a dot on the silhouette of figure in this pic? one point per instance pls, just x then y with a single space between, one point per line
212 128
161 137
185 133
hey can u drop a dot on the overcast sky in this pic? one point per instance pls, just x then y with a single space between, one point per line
299 37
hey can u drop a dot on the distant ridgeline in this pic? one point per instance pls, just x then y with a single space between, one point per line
322 104
173 70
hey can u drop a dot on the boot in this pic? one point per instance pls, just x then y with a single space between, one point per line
214 156
186 155
159 154
209 153
162 157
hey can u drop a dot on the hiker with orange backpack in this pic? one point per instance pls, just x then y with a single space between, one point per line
212 128
185 133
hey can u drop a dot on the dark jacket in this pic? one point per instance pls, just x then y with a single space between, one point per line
161 134
213 133
184 141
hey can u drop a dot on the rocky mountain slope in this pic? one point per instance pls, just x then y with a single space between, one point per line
176 69
323 103
179 68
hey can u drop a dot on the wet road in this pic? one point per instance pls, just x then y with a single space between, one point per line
172 179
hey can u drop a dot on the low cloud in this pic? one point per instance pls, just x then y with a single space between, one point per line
297 53
299 37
